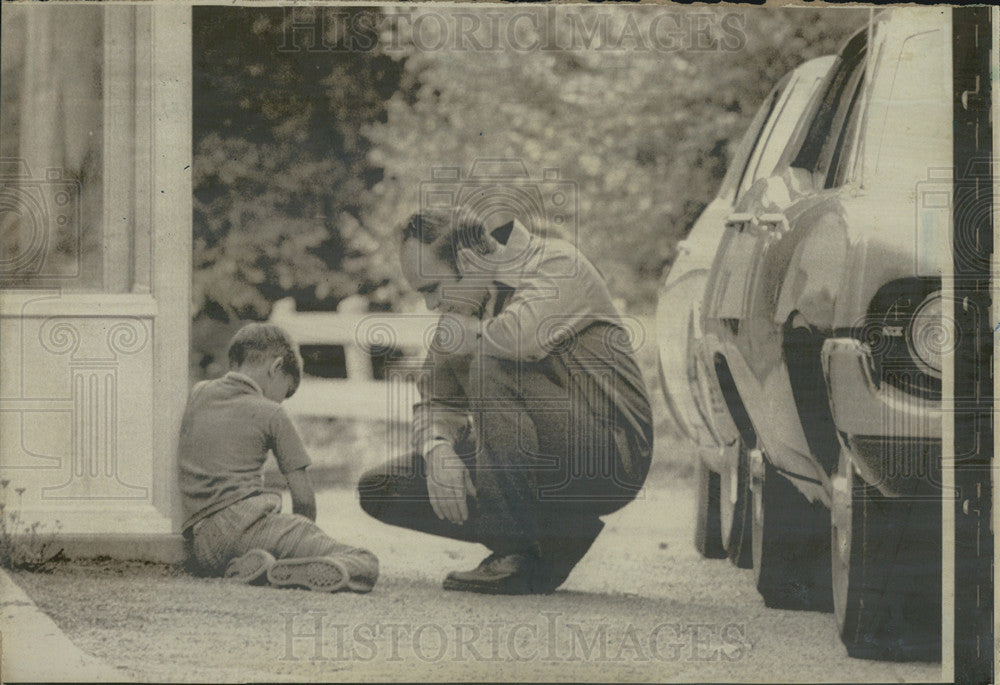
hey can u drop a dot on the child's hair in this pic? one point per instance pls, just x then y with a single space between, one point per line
258 343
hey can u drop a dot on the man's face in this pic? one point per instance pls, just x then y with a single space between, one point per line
443 288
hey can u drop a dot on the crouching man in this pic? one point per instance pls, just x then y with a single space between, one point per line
534 420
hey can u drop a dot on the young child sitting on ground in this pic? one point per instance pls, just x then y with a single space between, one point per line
236 528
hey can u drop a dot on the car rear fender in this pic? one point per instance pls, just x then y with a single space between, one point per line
771 422
816 270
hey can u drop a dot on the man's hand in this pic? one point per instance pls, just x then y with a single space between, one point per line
448 483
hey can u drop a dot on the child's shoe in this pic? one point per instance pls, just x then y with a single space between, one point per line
249 568
363 570
324 574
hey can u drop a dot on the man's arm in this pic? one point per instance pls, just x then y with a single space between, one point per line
303 496
560 298
435 423
440 420
441 415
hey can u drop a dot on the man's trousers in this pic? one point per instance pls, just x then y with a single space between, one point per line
546 463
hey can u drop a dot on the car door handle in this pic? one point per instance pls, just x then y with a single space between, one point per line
739 221
773 223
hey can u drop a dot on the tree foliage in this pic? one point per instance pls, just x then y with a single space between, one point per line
308 152
642 122
280 160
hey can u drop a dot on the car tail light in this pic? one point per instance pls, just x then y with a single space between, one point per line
929 335
907 335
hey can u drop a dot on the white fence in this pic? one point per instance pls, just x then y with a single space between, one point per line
358 364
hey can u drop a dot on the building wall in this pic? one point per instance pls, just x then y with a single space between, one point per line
95 238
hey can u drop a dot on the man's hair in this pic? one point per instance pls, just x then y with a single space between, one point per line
446 234
258 343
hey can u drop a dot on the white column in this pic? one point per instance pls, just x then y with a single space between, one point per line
93 384
171 238
119 145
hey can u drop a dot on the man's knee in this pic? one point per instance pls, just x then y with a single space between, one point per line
518 380
379 485
371 485
492 377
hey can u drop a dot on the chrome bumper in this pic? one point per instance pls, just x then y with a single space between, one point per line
893 438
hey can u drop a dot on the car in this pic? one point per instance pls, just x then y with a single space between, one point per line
689 387
823 319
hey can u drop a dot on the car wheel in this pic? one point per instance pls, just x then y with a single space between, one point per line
790 541
886 568
735 515
707 531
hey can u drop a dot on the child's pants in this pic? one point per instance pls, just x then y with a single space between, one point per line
257 523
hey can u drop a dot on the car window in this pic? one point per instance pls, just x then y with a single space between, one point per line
841 161
775 138
749 174
734 176
845 110
823 136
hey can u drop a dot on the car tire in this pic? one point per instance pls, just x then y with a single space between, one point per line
707 532
735 508
790 540
886 569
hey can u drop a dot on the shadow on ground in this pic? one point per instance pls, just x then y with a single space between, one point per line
641 606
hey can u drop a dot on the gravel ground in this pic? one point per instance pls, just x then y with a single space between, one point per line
641 606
